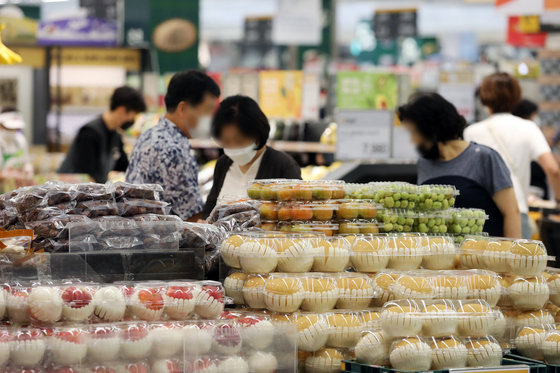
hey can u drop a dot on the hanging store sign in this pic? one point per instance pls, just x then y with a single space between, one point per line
395 23
280 93
362 90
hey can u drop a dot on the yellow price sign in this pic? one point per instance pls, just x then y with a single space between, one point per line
529 24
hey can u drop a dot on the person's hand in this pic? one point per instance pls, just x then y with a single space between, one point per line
201 221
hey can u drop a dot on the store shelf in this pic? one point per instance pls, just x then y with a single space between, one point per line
285 146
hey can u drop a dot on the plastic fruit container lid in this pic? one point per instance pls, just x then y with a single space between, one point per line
349 209
328 228
396 195
434 222
347 227
305 211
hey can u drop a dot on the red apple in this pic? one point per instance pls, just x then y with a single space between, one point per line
151 299
214 292
180 292
73 336
135 332
76 297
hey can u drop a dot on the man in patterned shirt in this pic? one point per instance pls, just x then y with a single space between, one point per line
162 154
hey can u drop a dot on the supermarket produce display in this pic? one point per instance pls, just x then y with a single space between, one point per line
315 274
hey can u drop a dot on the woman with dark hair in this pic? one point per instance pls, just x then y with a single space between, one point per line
478 172
518 141
242 130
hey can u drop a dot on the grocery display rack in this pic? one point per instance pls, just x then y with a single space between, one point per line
351 366
550 368
125 265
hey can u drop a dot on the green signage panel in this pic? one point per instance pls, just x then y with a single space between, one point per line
361 90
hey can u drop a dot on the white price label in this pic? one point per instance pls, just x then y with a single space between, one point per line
363 134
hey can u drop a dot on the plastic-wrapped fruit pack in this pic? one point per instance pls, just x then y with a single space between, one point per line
414 353
438 284
249 343
396 195
319 210
295 190
46 303
503 255
538 341
397 220
313 292
438 318
266 252
467 221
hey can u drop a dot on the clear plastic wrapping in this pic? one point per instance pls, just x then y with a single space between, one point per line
313 292
58 226
124 190
46 303
259 252
438 318
424 353
397 220
295 190
15 243
248 343
467 221
519 257
131 207
442 284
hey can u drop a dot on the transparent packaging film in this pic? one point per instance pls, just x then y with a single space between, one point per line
47 303
254 252
253 343
315 292
417 353
295 190
502 255
438 318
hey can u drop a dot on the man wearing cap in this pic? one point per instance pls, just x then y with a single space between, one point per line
98 147
14 151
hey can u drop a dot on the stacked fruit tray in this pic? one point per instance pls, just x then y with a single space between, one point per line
234 344
43 303
295 205
334 207
265 252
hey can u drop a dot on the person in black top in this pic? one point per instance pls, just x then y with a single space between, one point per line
97 149
477 171
242 129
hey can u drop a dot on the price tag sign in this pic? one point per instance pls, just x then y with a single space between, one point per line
504 369
363 134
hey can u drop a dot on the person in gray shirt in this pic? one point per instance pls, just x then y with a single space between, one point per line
477 171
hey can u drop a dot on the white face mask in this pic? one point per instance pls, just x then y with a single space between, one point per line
202 130
241 156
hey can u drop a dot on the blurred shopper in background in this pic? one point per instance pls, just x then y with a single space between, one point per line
529 110
242 129
519 141
479 172
14 150
162 154
98 149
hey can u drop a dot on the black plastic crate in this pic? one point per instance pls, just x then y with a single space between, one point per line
550 368
350 366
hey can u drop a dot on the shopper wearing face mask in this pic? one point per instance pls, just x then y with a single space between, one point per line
517 140
477 171
242 129
97 149
162 154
